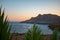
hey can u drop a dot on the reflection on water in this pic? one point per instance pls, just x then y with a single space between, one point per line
23 27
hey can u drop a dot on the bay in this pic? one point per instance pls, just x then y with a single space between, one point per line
18 27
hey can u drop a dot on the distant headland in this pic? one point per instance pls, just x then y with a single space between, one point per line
46 18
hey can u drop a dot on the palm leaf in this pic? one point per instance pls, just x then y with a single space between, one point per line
33 34
4 27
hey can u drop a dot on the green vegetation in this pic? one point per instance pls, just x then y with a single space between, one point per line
55 27
54 36
4 27
33 34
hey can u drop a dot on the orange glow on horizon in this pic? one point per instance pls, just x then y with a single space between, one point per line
27 15
21 18
18 18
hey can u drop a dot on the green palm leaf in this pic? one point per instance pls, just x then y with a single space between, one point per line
4 27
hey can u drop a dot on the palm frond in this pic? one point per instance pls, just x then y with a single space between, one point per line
4 27
33 34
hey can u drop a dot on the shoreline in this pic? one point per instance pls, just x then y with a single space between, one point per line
33 23
21 36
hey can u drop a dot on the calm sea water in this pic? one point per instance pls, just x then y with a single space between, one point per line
23 27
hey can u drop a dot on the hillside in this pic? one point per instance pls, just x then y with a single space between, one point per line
46 18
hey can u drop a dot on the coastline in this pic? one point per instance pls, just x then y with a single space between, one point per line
33 23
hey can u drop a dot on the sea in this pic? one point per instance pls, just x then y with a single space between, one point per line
17 27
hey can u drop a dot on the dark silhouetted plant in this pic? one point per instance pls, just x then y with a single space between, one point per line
4 27
33 34
54 36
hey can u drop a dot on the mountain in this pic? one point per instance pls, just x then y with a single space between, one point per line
46 18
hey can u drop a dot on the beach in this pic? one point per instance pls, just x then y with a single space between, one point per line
21 36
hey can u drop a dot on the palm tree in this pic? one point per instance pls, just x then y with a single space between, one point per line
4 27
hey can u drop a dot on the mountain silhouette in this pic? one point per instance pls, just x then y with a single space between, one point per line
46 18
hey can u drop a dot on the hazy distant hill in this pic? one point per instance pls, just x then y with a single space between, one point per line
46 18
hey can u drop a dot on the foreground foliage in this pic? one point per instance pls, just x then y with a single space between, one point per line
33 34
4 27
54 36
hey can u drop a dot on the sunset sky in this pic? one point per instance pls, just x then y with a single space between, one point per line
20 10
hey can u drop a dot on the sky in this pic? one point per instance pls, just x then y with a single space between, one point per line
20 10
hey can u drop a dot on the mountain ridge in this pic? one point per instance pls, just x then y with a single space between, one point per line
46 18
